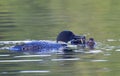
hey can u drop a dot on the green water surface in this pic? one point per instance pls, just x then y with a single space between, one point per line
44 19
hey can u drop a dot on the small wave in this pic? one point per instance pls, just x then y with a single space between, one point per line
22 56
117 50
66 59
107 54
94 51
27 71
111 40
35 71
4 55
2 61
99 60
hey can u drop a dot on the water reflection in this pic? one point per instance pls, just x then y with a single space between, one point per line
80 62
53 64
7 23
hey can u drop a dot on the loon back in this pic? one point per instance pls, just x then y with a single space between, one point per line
36 46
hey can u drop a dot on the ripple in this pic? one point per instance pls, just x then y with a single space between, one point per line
94 51
20 60
111 40
117 50
4 55
35 71
107 54
67 59
99 60
27 71
109 49
31 56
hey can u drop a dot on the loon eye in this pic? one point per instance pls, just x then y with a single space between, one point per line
24 48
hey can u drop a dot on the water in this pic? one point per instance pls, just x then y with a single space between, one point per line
24 20
91 63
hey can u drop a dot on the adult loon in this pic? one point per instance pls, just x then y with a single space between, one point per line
41 46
